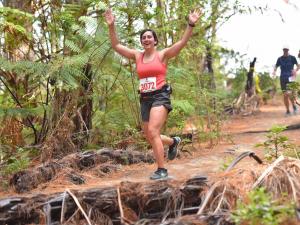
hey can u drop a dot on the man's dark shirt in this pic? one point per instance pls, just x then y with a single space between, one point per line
286 64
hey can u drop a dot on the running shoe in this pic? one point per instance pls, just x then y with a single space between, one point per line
173 149
159 174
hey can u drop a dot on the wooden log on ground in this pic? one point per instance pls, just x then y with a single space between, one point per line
26 180
138 201
194 201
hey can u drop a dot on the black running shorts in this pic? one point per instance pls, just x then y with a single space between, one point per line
283 83
155 98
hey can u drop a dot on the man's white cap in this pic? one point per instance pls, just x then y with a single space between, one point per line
285 47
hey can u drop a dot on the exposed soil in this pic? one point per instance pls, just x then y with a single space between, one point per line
201 160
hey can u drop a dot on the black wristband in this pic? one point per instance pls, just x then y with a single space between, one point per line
191 24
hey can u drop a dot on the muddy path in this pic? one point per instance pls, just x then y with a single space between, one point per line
200 161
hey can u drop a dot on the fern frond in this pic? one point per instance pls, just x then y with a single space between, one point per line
72 46
77 60
8 12
91 23
22 68
83 35
184 106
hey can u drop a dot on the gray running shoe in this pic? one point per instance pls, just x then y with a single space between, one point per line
159 174
288 113
173 149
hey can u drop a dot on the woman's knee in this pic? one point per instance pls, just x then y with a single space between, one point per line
152 132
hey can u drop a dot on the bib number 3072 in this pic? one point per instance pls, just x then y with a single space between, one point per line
147 84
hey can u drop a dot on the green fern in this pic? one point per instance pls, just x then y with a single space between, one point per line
72 46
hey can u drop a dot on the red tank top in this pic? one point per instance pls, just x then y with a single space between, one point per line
150 72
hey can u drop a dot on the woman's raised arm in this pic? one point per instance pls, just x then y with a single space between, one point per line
176 48
119 48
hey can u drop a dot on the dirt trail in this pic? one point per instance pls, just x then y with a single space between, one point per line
203 161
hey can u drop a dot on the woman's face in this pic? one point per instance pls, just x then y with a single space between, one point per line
148 40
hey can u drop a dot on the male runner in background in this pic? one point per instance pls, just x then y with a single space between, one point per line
286 62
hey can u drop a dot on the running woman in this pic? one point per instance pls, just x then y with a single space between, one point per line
151 67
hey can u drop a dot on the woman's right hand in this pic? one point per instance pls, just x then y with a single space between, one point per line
109 17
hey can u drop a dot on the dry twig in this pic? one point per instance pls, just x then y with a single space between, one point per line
267 171
207 197
79 206
221 200
62 217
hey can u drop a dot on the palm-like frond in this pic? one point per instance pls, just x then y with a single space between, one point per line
72 46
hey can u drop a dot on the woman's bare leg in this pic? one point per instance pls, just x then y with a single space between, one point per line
158 117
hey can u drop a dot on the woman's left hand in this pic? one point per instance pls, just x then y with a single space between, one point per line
194 16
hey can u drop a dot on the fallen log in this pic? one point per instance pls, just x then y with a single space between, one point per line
26 180
152 201
195 201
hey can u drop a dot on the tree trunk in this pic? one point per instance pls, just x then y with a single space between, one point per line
249 88
83 118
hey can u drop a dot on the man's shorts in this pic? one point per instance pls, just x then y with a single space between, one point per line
155 98
283 83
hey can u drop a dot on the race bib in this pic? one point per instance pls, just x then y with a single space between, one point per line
147 84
